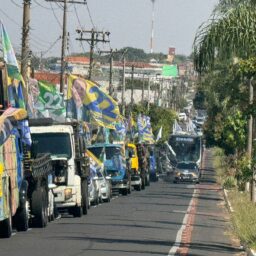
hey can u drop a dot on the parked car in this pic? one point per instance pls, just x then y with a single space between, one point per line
100 186
93 191
105 186
187 172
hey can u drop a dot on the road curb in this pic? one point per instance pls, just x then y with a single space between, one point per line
249 251
229 206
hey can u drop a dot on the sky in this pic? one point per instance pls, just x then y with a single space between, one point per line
128 21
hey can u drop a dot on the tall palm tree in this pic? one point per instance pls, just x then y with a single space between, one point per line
230 32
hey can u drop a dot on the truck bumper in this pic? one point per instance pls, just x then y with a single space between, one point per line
135 180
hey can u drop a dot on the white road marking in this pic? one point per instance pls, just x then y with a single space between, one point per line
190 186
13 234
176 245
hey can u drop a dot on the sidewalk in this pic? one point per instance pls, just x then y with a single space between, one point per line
211 234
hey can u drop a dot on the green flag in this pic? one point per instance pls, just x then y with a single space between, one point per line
46 100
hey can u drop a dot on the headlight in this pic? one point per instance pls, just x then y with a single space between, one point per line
194 175
177 173
68 193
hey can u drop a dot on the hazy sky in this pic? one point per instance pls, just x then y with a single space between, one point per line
129 22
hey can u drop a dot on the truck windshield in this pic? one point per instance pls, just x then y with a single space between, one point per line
112 151
57 144
98 152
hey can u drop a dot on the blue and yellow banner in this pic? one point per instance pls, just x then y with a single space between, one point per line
145 129
85 96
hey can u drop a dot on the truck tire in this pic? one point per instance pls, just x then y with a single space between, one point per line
125 192
22 217
6 225
129 190
138 187
143 183
147 183
85 200
77 211
39 208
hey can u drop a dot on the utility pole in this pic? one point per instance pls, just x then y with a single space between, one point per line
64 38
96 37
132 86
123 87
111 52
148 91
249 143
143 89
25 52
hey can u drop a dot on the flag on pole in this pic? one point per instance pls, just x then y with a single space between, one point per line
86 95
159 135
9 56
176 128
47 101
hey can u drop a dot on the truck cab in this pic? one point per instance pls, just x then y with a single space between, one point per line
70 174
113 156
131 152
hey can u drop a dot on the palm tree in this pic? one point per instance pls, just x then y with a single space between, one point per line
229 33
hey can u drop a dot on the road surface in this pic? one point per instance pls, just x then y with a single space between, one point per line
165 219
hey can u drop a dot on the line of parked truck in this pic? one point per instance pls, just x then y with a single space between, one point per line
58 171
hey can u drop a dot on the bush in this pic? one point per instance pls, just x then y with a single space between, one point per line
230 182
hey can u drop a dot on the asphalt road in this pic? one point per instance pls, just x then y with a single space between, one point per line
143 223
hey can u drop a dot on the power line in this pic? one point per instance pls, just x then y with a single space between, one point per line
11 19
79 21
16 4
47 8
55 16
90 16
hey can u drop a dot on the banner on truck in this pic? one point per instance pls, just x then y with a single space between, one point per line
86 101
46 100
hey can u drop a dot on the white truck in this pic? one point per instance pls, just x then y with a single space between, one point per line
70 164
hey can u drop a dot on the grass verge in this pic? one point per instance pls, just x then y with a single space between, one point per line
244 215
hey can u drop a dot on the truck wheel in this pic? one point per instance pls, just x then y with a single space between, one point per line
77 211
129 190
39 208
85 203
125 192
22 217
6 225
147 183
138 187
143 183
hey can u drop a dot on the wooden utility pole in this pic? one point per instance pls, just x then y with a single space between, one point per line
64 38
96 37
123 86
25 52
132 86
249 143
111 52
143 88
148 91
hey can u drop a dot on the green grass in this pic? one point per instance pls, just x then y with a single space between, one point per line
244 215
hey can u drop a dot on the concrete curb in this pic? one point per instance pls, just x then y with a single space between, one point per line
249 251
229 206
